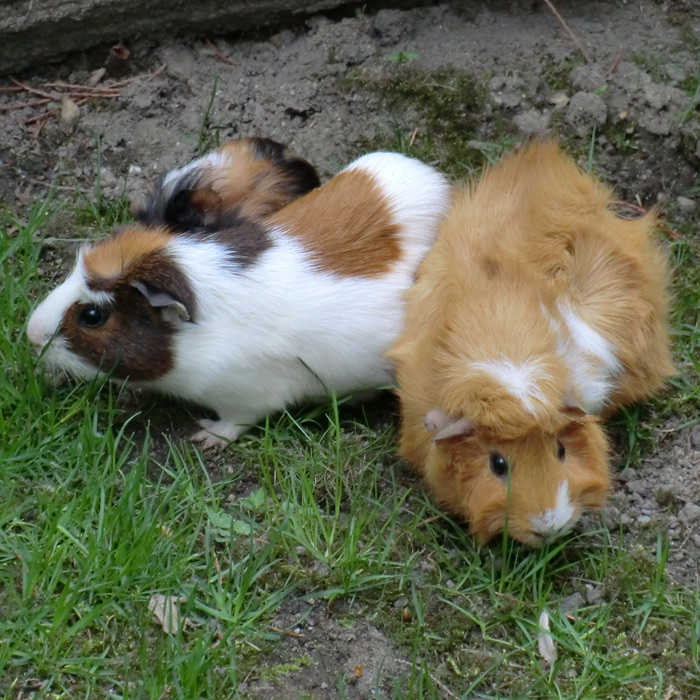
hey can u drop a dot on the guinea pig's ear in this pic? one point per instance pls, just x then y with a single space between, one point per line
574 413
174 310
444 426
193 208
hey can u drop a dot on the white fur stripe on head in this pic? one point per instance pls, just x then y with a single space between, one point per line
46 319
519 380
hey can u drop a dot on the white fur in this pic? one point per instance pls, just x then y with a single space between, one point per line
590 358
280 331
216 160
46 318
520 381
559 519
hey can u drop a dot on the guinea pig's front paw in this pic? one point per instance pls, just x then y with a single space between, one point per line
216 433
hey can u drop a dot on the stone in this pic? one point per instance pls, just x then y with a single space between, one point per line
559 100
660 96
690 513
685 203
70 115
107 178
675 73
532 122
594 594
695 437
179 62
572 603
637 486
587 78
586 110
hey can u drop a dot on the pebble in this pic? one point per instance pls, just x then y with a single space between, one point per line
585 111
587 78
107 178
690 513
559 100
675 72
179 62
400 603
695 437
594 594
532 122
572 603
637 486
685 203
70 114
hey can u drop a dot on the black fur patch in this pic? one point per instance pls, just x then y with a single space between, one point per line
246 240
302 175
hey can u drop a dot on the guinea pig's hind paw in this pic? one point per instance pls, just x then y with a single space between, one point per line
216 433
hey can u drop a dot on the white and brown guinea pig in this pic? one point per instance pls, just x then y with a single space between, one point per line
515 332
249 319
250 178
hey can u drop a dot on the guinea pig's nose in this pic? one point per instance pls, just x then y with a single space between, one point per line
37 333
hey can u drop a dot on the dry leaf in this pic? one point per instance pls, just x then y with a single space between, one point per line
166 613
545 643
358 671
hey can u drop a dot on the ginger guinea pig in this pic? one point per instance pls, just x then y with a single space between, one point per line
485 415
248 319
248 178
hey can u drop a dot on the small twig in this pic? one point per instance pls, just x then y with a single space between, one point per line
91 89
287 633
143 76
413 137
20 105
563 23
34 91
615 63
669 693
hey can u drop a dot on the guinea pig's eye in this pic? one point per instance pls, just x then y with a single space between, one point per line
499 465
561 452
92 316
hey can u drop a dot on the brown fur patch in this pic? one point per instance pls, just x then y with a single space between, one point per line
112 257
135 341
264 177
346 226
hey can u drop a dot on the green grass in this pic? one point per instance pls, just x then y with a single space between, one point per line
103 506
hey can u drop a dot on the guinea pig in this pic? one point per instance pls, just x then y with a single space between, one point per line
249 178
485 415
249 319
518 328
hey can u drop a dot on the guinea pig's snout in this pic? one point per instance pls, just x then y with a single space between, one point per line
38 332
557 520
